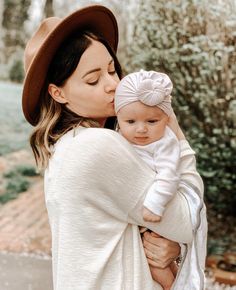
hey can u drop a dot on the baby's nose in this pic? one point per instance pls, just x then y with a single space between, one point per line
142 128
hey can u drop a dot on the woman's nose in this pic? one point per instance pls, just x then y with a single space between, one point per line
111 83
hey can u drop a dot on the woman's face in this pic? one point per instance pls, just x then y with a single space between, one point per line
89 91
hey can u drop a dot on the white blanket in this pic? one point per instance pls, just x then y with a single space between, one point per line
191 274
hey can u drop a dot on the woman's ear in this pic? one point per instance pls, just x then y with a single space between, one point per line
56 93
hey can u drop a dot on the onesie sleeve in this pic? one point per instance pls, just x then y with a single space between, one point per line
166 158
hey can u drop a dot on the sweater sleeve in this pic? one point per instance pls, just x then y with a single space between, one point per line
187 168
101 162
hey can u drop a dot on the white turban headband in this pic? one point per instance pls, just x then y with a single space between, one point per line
149 87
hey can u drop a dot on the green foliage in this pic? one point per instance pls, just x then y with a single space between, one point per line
16 73
27 170
24 170
14 187
14 129
194 42
17 181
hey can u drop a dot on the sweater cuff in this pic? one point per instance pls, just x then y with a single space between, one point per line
185 148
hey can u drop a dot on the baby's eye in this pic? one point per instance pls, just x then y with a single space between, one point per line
152 121
130 121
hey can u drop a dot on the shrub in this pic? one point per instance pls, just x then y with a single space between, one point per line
16 73
195 44
14 187
17 185
25 170
17 181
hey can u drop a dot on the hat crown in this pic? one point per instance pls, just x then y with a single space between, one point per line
38 39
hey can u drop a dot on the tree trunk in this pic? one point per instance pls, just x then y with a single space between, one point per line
48 8
15 13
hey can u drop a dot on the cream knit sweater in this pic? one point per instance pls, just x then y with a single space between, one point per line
95 186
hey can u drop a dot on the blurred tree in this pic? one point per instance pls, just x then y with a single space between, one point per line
15 12
16 73
14 15
48 8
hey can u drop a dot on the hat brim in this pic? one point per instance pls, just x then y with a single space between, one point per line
95 18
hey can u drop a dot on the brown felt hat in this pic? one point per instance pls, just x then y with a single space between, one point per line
41 48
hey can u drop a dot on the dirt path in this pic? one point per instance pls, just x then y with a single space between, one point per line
24 223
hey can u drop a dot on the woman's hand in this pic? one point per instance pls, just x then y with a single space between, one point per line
160 252
174 126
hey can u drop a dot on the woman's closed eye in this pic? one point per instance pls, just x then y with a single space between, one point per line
111 68
112 72
93 83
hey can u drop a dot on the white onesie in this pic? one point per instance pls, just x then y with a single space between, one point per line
163 156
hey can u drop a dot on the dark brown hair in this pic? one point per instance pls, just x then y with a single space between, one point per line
56 119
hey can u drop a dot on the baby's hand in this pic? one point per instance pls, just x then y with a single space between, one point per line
149 216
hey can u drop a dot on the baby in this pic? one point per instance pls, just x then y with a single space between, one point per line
143 107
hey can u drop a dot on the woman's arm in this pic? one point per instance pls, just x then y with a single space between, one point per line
174 126
124 180
187 168
109 163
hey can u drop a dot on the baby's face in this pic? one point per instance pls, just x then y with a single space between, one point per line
141 124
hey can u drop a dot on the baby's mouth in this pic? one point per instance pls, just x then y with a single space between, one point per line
141 138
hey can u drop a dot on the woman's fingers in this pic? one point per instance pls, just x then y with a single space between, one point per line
155 235
154 264
154 239
158 263
151 259
159 250
155 254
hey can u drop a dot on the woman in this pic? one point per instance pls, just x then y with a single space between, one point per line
95 184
